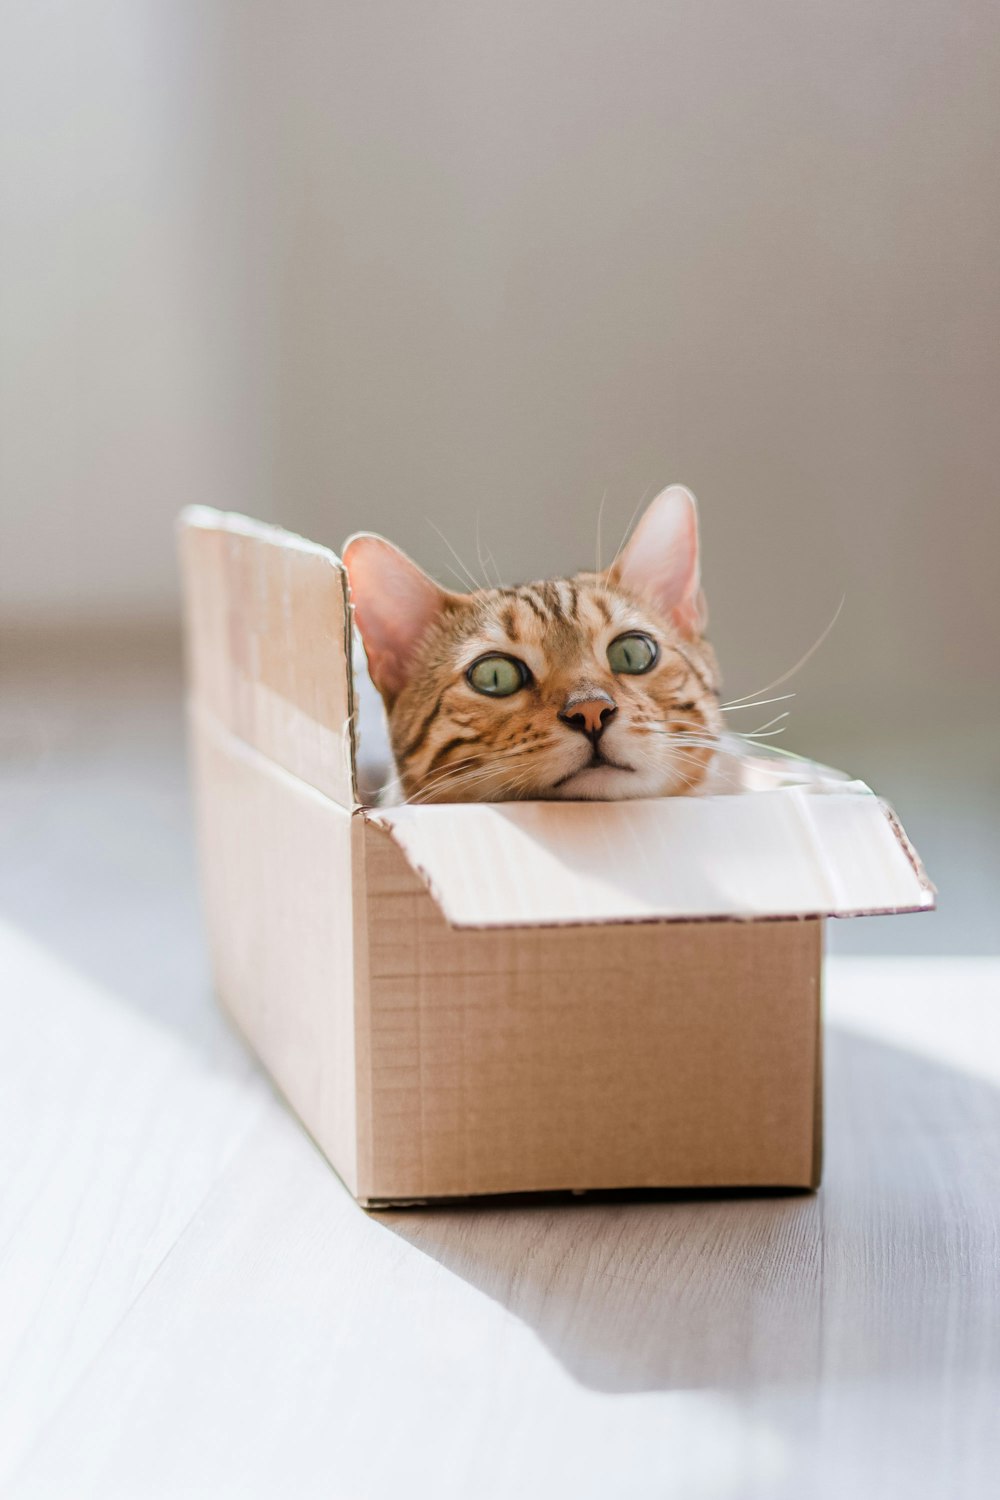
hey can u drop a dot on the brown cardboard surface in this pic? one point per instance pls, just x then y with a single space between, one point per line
668 1055
276 878
267 632
790 852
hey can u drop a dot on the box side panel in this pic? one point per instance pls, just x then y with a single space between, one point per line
276 871
267 643
818 1110
362 1012
658 1055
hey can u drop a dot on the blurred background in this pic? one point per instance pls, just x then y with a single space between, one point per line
483 268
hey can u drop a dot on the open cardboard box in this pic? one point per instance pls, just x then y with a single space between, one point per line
467 999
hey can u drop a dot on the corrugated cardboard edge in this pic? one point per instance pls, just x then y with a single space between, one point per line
916 862
372 816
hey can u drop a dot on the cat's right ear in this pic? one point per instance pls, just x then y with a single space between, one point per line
660 560
395 603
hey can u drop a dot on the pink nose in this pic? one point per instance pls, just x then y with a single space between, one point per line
588 713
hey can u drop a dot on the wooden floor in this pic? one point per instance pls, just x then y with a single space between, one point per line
191 1305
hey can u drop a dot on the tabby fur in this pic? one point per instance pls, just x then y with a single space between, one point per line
655 732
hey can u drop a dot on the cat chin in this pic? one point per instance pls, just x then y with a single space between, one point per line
607 784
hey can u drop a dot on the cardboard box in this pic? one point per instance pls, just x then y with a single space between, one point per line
475 998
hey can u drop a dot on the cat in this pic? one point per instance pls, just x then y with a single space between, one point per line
598 686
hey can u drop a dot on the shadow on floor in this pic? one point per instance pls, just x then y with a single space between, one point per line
886 1270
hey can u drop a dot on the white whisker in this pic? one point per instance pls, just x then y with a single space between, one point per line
631 523
600 517
762 727
491 559
779 681
463 775
482 566
458 576
470 576
738 703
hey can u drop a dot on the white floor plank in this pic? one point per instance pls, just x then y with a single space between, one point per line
111 1134
791 1346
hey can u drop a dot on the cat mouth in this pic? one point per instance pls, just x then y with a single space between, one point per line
597 762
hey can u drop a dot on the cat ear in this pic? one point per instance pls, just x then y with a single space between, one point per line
660 561
395 603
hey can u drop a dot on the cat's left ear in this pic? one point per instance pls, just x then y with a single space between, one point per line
660 561
395 604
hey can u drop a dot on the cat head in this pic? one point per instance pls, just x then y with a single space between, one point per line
595 686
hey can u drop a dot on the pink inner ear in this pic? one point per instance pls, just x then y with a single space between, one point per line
395 603
660 562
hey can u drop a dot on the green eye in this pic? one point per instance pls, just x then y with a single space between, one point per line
497 676
632 653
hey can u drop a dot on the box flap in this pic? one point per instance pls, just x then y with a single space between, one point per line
268 633
827 850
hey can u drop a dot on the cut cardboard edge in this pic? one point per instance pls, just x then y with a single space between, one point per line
207 518
916 863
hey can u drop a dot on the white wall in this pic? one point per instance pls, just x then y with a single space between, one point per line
384 264
121 392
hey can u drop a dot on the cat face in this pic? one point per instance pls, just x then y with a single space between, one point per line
598 686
